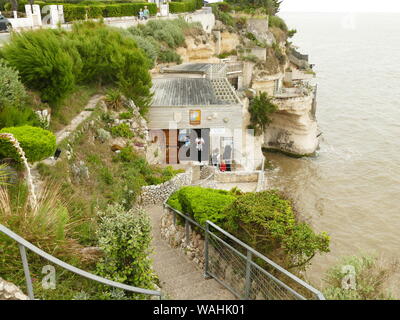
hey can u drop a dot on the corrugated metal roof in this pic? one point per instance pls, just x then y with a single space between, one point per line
194 68
184 92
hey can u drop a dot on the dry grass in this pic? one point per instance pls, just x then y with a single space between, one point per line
48 225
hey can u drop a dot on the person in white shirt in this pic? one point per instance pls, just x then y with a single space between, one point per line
199 147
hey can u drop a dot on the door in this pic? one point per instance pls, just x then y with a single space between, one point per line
171 137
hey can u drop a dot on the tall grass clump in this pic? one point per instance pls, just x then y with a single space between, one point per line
361 278
48 225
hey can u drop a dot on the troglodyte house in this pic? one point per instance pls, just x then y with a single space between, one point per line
196 112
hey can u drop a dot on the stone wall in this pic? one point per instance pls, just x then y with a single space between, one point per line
157 194
236 176
9 291
175 236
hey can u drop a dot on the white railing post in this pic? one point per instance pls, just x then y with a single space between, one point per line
28 279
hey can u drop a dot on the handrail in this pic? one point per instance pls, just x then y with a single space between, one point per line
253 251
25 244
272 263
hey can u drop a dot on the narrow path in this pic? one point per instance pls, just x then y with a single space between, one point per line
180 278
75 122
61 135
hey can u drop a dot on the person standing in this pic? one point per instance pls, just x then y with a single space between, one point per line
146 13
141 14
199 146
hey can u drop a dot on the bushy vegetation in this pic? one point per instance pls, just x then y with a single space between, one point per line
122 130
37 143
277 22
12 91
202 204
125 237
260 109
159 38
360 278
43 63
185 6
266 221
54 61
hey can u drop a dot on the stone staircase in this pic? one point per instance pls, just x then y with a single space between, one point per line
180 278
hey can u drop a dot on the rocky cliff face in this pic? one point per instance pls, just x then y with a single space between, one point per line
293 129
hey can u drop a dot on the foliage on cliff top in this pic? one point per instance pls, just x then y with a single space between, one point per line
159 38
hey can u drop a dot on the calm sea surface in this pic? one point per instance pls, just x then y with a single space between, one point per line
352 188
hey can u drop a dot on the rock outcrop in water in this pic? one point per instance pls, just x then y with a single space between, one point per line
294 129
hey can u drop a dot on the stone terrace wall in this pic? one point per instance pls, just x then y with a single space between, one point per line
157 194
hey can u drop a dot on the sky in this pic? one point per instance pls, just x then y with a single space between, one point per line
340 6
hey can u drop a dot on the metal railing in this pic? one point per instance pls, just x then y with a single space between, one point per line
23 245
261 178
241 269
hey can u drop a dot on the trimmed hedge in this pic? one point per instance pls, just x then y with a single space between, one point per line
74 12
185 6
37 143
202 204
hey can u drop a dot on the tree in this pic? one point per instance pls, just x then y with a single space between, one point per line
260 110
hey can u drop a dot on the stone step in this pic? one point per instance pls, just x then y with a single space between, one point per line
173 271
174 259
178 282
162 254
196 290
221 294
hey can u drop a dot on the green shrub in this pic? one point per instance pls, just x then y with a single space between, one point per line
168 55
260 110
178 7
74 12
43 63
126 115
13 116
171 32
12 91
204 204
37 143
122 130
148 45
360 278
125 239
277 22
266 221
111 58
